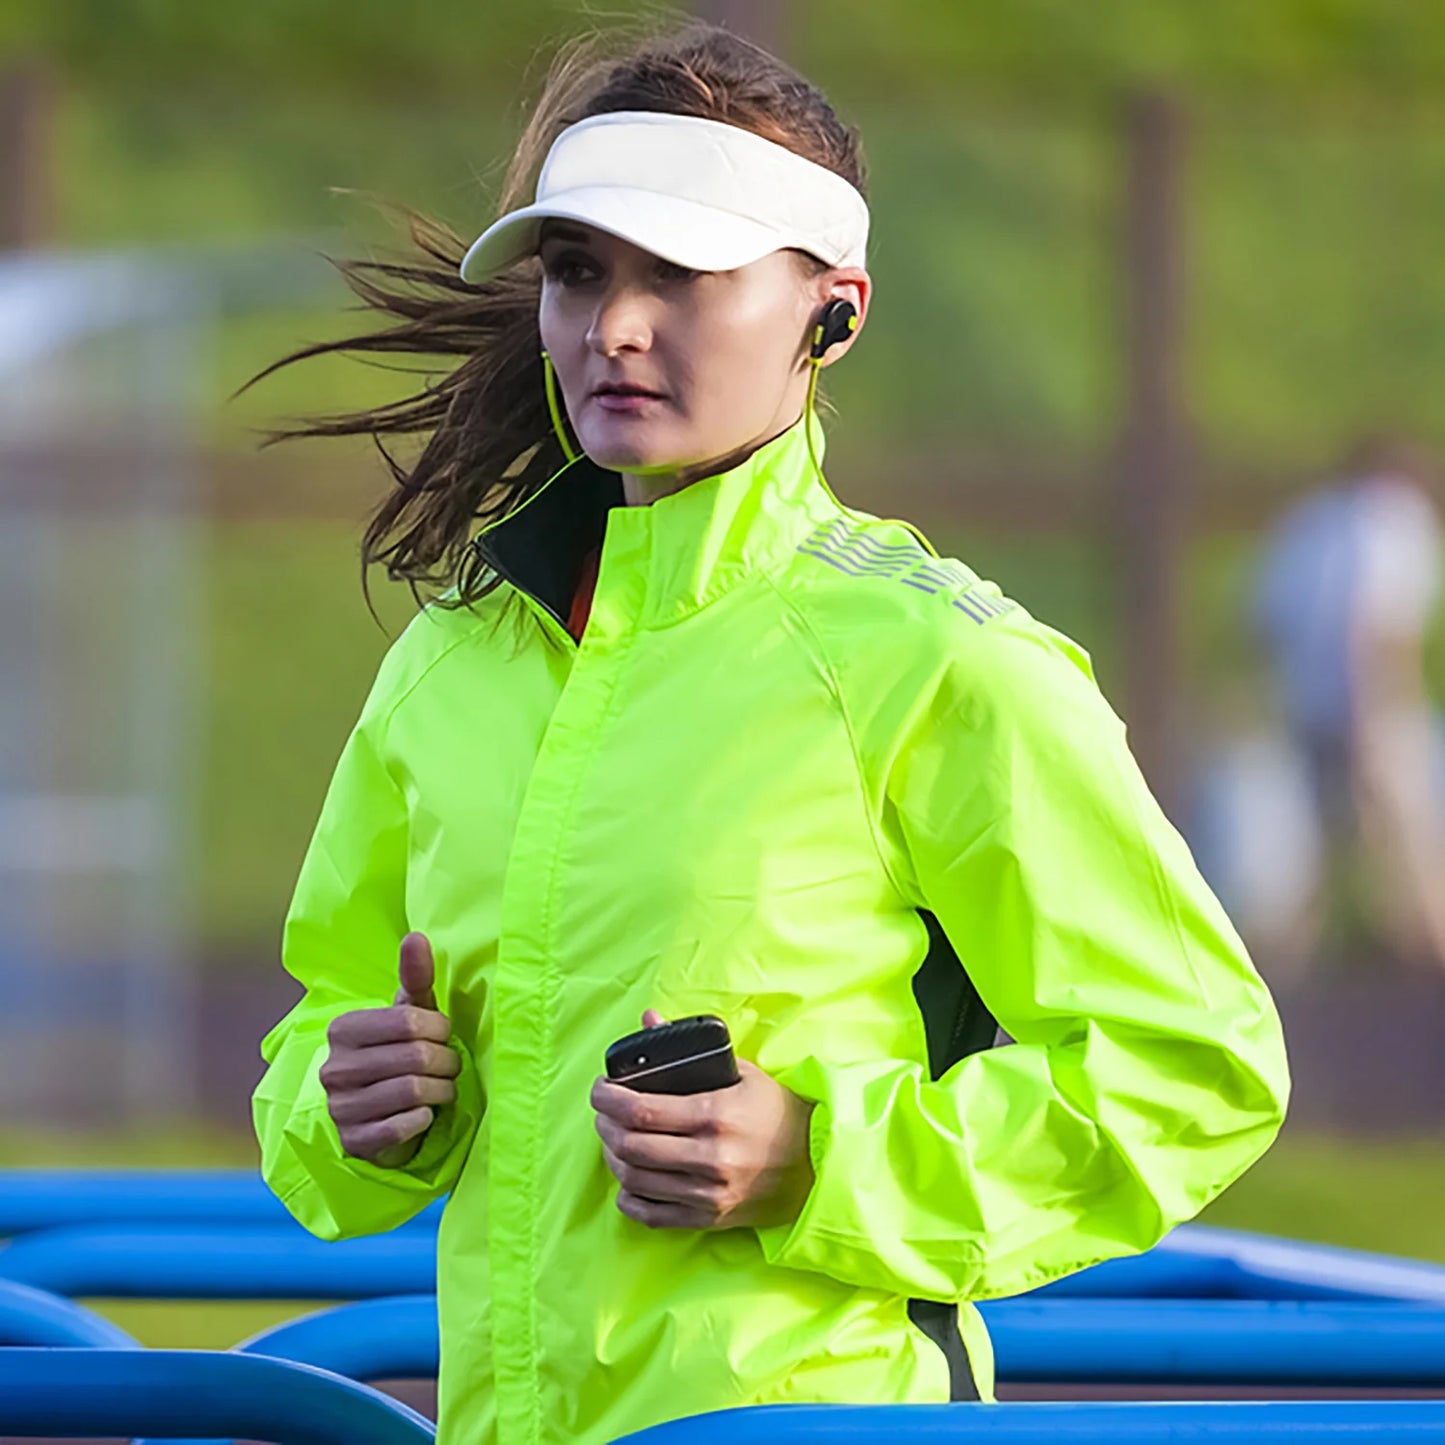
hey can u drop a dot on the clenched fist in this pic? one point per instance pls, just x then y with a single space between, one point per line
389 1069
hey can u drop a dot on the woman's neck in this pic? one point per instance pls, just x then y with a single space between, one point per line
642 489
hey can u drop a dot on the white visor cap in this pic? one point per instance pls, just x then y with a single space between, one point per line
700 193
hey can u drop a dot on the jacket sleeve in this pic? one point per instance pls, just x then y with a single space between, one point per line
341 941
1147 1069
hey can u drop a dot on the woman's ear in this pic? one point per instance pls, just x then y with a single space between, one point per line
846 283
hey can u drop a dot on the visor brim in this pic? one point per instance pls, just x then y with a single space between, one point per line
687 233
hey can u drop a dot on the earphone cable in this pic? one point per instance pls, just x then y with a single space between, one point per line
815 364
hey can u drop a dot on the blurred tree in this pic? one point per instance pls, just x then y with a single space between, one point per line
994 360
25 108
913 48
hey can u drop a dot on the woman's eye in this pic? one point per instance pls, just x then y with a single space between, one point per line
571 270
561 269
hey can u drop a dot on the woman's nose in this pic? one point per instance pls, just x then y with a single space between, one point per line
623 319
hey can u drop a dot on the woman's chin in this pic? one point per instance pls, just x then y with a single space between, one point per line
626 444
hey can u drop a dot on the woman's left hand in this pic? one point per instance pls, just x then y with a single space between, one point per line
728 1157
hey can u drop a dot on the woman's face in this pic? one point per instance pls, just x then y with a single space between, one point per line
724 353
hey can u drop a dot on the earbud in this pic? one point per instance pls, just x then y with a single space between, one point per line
836 322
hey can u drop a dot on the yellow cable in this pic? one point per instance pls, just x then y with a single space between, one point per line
553 408
572 457
816 364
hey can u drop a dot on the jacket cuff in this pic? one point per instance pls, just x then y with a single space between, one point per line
849 1226
311 1133
787 1244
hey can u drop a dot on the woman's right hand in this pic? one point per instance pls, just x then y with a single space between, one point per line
389 1069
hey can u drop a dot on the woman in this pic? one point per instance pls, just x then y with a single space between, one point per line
739 750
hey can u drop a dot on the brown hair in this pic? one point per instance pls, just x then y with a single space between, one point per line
489 442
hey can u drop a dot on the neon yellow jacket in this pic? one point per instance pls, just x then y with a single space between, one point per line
788 739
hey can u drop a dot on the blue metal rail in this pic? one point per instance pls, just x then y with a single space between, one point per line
36 1317
1198 1261
200 1262
52 1393
1219 1342
1206 1306
1194 1261
285 1262
1146 1423
1124 1342
376 1339
46 1198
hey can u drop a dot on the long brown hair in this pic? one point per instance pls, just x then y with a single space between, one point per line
489 442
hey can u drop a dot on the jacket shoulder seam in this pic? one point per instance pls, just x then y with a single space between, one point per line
387 710
832 674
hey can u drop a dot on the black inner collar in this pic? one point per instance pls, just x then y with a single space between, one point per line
541 549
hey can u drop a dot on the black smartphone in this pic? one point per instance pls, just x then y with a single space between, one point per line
684 1056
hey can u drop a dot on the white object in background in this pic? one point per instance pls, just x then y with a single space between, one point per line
1263 852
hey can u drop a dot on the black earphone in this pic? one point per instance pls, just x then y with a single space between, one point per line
836 322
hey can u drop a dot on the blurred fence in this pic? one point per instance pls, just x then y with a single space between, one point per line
98 652
102 674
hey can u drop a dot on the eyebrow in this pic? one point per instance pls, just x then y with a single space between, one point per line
562 231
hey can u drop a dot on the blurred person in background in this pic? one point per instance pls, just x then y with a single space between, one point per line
1254 830
682 734
1349 580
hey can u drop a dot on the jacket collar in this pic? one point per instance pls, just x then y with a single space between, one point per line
661 561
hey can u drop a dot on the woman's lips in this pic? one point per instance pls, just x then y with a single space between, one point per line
624 401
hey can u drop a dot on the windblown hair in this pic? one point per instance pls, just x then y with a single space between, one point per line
488 438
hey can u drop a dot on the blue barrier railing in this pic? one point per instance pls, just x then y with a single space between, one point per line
51 1393
1198 1261
1194 1261
1219 1342
285 1262
380 1339
1146 1423
1125 1342
36 1317
250 1262
48 1198
375 1339
1206 1306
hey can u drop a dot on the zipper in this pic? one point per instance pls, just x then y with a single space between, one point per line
550 620
551 623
